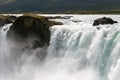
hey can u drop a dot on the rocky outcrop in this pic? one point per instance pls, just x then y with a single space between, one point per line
12 18
6 19
104 20
31 33
32 25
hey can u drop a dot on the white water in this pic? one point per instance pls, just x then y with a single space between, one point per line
77 51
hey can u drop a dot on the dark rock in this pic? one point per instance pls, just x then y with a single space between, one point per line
98 28
6 19
55 23
31 25
104 20
31 32
13 18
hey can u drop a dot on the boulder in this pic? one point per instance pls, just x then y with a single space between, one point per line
104 20
31 35
31 25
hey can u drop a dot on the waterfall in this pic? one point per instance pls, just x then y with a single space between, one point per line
87 48
77 51
4 51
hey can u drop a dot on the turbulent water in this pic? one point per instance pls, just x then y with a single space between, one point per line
77 51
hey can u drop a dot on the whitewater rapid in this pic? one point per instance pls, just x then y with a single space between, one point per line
77 51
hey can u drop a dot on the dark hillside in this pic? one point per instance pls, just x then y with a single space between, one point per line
59 5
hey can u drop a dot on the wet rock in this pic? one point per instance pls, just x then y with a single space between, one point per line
6 19
13 18
104 20
31 25
98 28
31 32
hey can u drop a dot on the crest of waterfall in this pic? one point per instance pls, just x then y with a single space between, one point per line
77 51
86 47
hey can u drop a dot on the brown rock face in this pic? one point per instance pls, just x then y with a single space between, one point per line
103 21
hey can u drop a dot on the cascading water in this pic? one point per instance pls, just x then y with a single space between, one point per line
4 50
77 51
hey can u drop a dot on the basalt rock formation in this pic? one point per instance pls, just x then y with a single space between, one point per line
31 32
104 20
